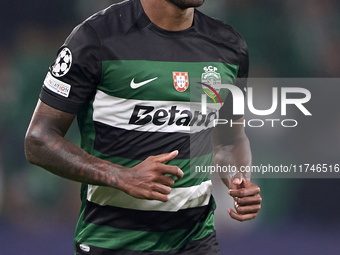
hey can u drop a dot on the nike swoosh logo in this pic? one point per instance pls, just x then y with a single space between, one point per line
140 84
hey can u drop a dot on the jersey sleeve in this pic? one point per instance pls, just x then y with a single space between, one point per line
226 111
75 74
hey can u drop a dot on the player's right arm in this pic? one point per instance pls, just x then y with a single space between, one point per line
46 147
71 83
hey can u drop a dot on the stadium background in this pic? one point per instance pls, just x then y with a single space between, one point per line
292 38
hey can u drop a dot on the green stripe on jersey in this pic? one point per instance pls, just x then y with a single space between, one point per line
117 76
113 238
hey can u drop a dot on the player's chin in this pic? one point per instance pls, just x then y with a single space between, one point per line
195 3
184 4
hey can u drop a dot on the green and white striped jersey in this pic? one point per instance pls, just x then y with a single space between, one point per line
137 91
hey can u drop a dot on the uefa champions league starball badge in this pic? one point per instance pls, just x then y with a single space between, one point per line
63 63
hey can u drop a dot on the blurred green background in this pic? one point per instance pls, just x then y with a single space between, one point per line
292 38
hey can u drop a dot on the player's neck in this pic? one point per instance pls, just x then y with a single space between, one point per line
168 16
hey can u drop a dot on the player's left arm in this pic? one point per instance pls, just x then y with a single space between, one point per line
232 147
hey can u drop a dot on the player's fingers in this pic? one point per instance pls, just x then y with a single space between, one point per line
172 170
252 200
157 196
241 217
237 181
247 209
151 193
244 192
166 180
164 157
160 188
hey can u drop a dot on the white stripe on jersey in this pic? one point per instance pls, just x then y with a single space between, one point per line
179 198
116 112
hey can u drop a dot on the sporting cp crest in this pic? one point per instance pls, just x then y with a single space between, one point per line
211 78
181 81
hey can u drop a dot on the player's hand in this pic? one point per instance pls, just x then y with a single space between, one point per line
247 199
150 180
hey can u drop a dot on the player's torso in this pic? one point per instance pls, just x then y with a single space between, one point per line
149 100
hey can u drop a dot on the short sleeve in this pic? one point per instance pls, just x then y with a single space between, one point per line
75 74
226 111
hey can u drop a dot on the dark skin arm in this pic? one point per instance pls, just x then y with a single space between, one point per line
231 146
46 147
